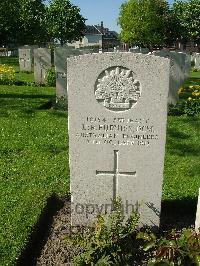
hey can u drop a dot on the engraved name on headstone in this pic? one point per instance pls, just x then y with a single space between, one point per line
117 104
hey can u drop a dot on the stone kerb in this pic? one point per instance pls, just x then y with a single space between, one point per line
117 107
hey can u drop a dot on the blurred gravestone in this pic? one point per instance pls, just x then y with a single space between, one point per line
25 59
61 55
42 63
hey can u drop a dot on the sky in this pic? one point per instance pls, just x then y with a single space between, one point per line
96 11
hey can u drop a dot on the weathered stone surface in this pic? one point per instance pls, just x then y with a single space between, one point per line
42 62
117 105
25 59
187 66
183 57
139 50
176 73
61 55
197 222
197 60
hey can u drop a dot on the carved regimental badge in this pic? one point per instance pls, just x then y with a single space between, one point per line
117 90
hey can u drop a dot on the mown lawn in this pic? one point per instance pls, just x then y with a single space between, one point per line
34 161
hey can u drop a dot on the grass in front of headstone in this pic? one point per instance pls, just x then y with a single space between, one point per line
33 162
182 168
24 76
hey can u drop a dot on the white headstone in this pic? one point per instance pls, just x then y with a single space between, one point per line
183 58
117 106
197 60
42 62
197 222
188 66
134 50
25 59
61 55
176 73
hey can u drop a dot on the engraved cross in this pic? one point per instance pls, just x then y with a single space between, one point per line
115 174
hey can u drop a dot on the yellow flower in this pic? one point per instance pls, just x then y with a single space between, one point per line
189 99
181 89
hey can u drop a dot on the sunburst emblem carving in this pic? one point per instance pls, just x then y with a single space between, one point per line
117 90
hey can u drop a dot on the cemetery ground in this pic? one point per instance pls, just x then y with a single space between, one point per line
34 162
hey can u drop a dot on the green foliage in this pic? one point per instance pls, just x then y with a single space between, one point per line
174 249
32 27
51 77
185 107
27 25
188 14
65 23
146 22
110 241
189 103
9 17
61 103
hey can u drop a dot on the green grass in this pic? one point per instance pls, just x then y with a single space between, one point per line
34 161
182 167
195 74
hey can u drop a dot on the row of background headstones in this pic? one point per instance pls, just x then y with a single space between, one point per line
43 60
179 70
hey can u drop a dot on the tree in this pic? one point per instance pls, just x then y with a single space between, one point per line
9 21
32 28
147 23
22 22
64 21
188 15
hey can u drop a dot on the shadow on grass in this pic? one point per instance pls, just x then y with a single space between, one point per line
174 133
59 113
55 149
40 233
175 137
27 96
184 149
178 214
